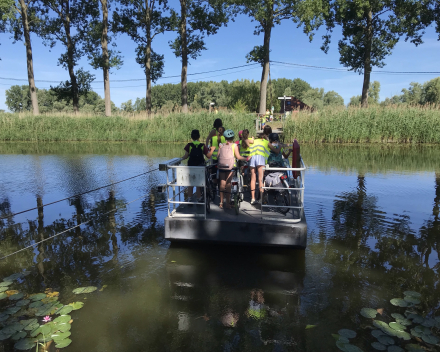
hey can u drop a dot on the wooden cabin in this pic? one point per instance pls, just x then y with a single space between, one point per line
292 104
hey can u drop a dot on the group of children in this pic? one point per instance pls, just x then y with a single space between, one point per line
224 153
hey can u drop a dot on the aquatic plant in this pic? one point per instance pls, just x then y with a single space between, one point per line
28 332
393 336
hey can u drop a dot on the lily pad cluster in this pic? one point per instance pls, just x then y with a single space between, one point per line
31 319
409 331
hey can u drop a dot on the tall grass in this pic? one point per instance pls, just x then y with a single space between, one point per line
171 128
401 124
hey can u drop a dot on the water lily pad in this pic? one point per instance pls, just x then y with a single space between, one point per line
22 303
378 346
5 335
19 335
28 322
386 340
380 324
3 295
340 338
376 333
403 335
47 309
76 305
60 336
399 302
411 299
397 316
37 297
412 347
25 344
65 310
36 304
352 348
429 323
368 312
43 338
63 327
12 328
87 289
397 326
423 329
389 331
12 310
404 321
417 319
6 283
62 319
49 299
13 277
430 339
395 348
416 333
3 288
17 296
412 294
63 343
349 334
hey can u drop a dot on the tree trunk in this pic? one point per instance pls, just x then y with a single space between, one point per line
264 75
105 58
367 62
70 58
148 58
184 57
29 60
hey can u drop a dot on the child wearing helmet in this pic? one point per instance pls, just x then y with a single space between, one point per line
227 154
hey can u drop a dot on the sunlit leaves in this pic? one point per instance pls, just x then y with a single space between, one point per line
87 289
369 312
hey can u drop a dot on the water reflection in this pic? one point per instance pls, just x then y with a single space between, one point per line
373 215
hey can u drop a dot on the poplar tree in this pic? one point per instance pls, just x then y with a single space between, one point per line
142 21
19 17
68 22
196 19
268 13
97 40
371 29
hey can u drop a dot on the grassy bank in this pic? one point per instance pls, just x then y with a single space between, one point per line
404 124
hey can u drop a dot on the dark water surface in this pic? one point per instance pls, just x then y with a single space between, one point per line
373 232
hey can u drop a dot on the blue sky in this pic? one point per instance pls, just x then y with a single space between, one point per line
228 48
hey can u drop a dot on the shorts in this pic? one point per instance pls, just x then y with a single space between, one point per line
257 160
223 171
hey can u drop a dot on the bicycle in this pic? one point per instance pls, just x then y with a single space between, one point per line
210 186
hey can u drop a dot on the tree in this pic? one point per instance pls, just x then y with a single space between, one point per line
196 19
287 92
142 21
22 20
412 95
314 98
432 91
331 98
67 22
268 13
18 98
97 36
373 95
371 29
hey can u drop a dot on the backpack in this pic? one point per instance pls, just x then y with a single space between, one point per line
196 157
226 159
273 180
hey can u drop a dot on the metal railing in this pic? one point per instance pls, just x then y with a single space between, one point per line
181 178
298 186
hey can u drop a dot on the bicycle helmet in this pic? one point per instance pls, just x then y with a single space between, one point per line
229 134
274 137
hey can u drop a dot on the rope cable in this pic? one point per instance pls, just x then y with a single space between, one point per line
71 228
76 195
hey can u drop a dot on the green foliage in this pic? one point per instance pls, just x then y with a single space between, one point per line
432 91
257 54
373 95
18 98
64 90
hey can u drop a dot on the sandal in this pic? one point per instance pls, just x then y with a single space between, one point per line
220 205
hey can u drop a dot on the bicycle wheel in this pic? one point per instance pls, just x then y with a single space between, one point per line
283 199
237 204
208 203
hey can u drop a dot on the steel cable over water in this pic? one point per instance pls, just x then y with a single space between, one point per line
76 195
71 228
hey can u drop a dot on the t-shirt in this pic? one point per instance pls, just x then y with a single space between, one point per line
276 158
205 149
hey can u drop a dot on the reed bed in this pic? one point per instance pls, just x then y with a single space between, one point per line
401 124
398 124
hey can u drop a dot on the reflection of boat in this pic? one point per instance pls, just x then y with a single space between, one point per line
275 224
257 293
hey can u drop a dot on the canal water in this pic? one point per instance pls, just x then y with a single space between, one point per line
373 233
